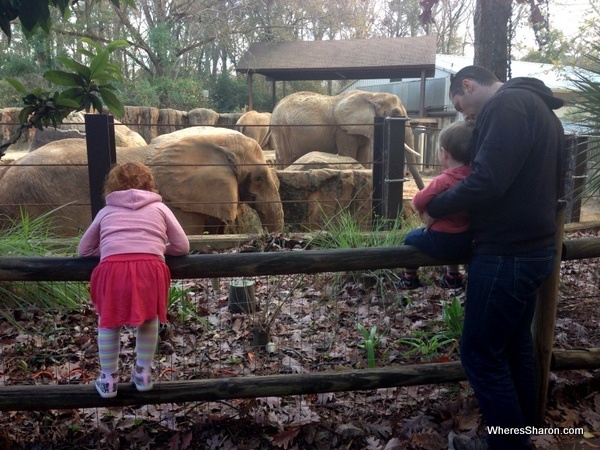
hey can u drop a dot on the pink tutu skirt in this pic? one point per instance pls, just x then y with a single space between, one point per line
130 289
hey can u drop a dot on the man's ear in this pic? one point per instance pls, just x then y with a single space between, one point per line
467 85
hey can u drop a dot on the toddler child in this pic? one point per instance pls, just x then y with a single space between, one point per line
131 234
448 237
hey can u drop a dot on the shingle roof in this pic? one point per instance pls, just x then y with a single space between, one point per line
405 57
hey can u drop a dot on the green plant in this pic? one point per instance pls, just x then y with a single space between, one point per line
31 237
180 304
425 344
587 114
36 15
345 230
88 88
370 342
452 314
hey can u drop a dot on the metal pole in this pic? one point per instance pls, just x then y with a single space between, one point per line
101 153
388 167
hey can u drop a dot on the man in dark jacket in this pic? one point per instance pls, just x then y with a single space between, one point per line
511 196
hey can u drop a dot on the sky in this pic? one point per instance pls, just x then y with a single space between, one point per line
565 15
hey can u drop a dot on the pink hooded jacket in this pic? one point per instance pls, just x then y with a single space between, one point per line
134 221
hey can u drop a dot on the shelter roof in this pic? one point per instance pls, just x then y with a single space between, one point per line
405 57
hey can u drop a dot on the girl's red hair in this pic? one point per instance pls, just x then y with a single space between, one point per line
131 175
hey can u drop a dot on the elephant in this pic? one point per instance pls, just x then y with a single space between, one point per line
188 131
203 178
256 125
343 124
232 170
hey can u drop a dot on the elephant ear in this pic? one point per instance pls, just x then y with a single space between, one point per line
355 112
199 174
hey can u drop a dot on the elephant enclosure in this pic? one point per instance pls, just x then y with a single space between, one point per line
312 193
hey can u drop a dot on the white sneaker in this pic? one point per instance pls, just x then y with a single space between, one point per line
142 378
106 385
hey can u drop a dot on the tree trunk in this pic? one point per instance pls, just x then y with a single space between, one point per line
491 35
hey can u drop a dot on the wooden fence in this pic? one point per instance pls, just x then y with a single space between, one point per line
279 263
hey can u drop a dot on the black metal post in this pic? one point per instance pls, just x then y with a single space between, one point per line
388 167
574 173
101 153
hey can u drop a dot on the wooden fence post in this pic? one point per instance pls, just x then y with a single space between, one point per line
544 320
101 153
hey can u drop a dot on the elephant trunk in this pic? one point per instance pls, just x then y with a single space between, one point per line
271 215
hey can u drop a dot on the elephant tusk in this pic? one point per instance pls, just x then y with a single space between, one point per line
410 150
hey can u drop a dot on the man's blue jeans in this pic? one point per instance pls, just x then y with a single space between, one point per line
496 347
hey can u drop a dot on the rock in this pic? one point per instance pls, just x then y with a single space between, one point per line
142 119
311 198
74 127
203 116
321 160
229 119
48 135
170 120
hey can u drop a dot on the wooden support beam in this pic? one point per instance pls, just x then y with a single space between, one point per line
33 398
227 265
580 359
257 264
544 322
575 249
71 396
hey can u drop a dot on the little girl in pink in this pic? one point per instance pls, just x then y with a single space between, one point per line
131 234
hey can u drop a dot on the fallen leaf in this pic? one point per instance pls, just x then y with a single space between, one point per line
349 430
285 438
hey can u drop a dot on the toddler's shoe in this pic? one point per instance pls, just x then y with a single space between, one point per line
410 282
452 281
142 378
106 385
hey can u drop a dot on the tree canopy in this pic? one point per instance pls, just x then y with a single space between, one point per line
181 53
36 13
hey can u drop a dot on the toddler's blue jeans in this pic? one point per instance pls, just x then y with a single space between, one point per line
440 245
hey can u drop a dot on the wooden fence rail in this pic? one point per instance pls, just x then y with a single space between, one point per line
257 264
71 396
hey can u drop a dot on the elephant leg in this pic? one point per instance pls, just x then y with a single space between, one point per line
353 145
411 162
364 153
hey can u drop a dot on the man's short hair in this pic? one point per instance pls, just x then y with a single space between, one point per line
479 74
